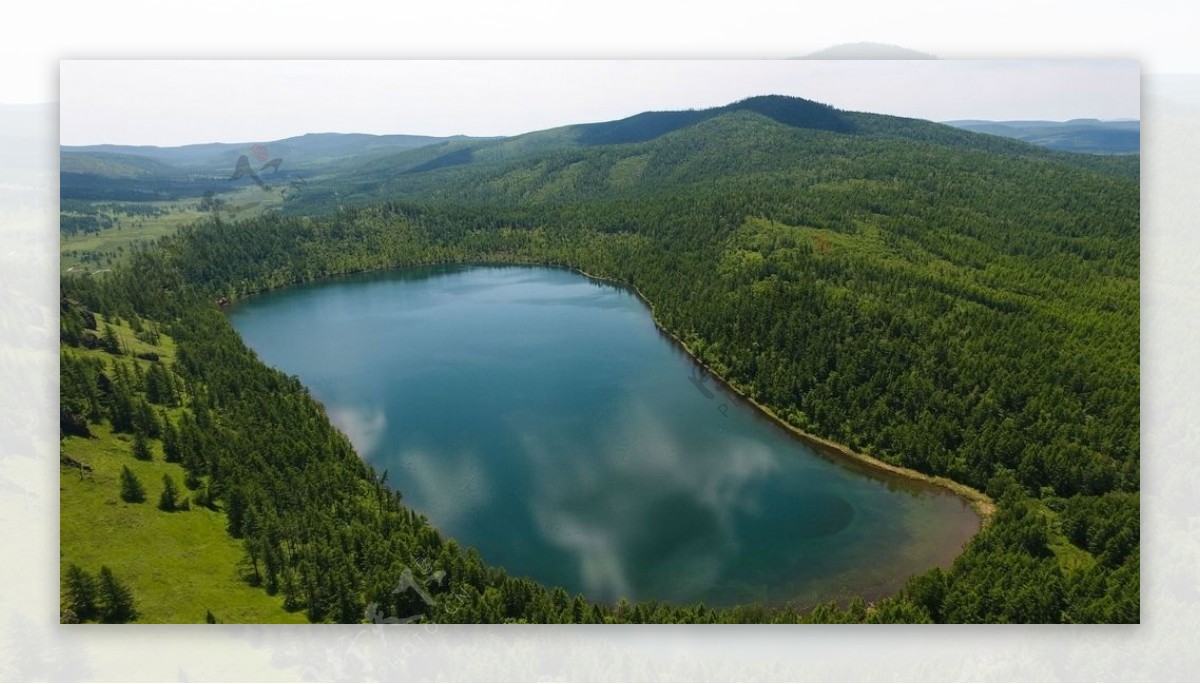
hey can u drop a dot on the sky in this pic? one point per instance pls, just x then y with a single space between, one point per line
164 102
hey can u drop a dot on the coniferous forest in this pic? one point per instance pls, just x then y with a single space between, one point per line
957 304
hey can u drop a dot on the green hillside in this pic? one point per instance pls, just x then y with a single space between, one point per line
179 565
762 139
116 165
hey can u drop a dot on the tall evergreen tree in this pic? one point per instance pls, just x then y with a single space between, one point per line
81 593
170 441
110 342
141 447
132 490
168 500
116 600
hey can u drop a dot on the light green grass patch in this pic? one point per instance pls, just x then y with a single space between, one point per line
1070 558
112 246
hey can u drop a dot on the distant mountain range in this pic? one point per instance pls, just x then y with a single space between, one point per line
147 172
305 151
1077 135
765 134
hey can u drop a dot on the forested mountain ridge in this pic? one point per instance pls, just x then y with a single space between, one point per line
362 168
966 311
790 111
722 144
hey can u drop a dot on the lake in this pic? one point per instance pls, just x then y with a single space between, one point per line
541 417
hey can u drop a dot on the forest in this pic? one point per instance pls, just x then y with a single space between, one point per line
962 306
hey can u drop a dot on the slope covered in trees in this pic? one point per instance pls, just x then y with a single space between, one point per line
742 144
966 310
121 405
791 111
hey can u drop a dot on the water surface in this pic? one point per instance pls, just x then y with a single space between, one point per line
540 417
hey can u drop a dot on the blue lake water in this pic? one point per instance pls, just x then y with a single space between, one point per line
540 417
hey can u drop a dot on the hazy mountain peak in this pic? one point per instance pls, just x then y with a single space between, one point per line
866 50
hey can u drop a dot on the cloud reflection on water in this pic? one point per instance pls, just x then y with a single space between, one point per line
643 512
454 486
363 426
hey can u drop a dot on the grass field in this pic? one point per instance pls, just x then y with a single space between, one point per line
97 252
179 565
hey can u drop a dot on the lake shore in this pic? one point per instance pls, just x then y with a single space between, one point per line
981 503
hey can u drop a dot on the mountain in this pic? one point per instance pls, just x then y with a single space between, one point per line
792 111
147 172
360 168
772 135
302 151
1077 135
117 165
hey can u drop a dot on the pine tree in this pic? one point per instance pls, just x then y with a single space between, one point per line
81 593
132 490
191 480
170 495
159 389
170 441
116 600
204 495
144 420
110 342
235 511
141 447
120 408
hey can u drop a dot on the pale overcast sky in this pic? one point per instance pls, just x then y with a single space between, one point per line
180 102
